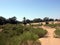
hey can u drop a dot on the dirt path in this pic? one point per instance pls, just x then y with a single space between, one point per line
49 40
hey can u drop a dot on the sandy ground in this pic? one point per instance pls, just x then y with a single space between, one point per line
0 30
49 39
56 22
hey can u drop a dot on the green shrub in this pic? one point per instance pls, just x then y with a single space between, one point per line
18 29
18 35
28 38
4 39
57 32
39 31
53 25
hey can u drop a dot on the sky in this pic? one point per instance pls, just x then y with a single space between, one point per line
30 9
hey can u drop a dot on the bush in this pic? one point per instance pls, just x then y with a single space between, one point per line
53 25
39 31
28 38
57 32
18 29
19 35
4 39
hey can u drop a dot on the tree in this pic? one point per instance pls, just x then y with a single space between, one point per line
37 20
12 20
51 19
2 20
46 19
57 19
28 21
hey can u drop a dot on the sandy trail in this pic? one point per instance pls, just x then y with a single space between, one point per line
49 40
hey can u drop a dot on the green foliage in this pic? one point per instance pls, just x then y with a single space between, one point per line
28 38
37 20
16 34
39 31
2 20
4 40
53 25
14 28
57 32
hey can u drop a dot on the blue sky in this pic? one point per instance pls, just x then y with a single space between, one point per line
30 8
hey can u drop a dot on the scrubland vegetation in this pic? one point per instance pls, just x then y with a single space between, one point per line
57 33
53 25
16 34
57 27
